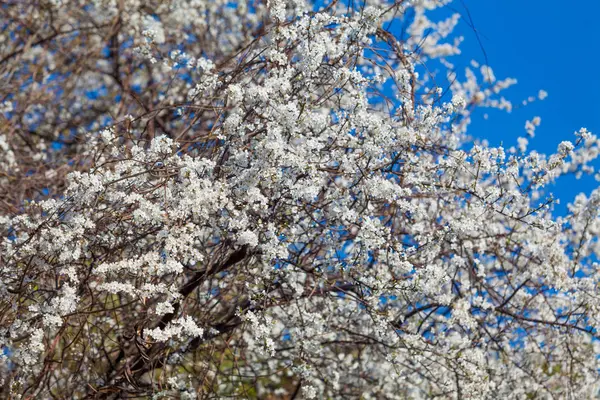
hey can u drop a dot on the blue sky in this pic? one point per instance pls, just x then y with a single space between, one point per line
545 44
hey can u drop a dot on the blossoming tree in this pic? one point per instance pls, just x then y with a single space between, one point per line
280 199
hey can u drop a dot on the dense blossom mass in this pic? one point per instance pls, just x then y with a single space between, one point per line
279 199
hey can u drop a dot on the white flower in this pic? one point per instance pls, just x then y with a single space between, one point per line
247 238
459 102
184 327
